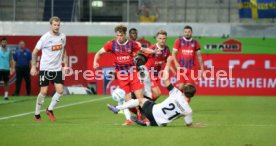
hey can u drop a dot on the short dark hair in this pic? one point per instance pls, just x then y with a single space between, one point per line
189 90
132 29
120 28
188 27
4 39
140 59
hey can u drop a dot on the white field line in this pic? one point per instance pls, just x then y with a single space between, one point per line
67 105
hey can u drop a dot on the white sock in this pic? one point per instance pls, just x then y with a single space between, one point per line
39 103
127 114
6 94
55 100
129 104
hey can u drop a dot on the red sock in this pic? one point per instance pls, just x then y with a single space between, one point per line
133 110
139 116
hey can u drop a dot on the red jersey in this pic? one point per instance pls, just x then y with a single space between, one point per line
144 43
123 53
157 60
186 51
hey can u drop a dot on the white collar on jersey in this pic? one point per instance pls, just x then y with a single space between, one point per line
159 48
123 43
53 34
188 39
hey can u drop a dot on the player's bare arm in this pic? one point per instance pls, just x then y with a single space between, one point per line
34 56
97 57
174 52
199 57
169 59
12 64
149 51
65 62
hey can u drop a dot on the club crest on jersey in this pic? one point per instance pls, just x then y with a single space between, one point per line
56 47
61 41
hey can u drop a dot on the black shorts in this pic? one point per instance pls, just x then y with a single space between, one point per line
53 76
147 111
4 75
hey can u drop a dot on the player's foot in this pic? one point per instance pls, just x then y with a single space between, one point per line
51 115
6 98
128 122
147 122
113 108
139 122
37 118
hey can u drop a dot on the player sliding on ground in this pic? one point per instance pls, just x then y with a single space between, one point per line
173 107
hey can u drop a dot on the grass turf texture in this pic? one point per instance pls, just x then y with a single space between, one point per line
233 121
249 45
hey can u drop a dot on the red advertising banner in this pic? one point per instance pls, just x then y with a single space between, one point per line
242 74
76 48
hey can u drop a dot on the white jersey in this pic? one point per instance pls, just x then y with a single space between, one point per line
52 47
172 108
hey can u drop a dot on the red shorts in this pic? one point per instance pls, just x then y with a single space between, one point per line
186 76
129 82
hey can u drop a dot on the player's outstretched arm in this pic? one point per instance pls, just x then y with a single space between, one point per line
150 51
97 57
166 70
174 52
199 57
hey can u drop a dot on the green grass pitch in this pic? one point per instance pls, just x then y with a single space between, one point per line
85 120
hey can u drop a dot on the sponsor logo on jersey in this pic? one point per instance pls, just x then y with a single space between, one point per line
56 47
189 52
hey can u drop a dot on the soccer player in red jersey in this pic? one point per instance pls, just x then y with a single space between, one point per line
124 51
156 61
133 35
186 48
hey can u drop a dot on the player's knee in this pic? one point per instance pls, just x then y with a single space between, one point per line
43 92
60 91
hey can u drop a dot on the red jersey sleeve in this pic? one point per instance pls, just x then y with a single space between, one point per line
197 46
136 47
108 46
176 44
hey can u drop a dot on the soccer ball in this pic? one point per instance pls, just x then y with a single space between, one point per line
118 95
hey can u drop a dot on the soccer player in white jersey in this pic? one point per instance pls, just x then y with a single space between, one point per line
173 107
52 45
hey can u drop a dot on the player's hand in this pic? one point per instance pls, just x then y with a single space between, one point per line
96 65
66 70
197 125
34 71
158 51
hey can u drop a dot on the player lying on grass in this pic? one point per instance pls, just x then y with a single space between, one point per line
171 108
